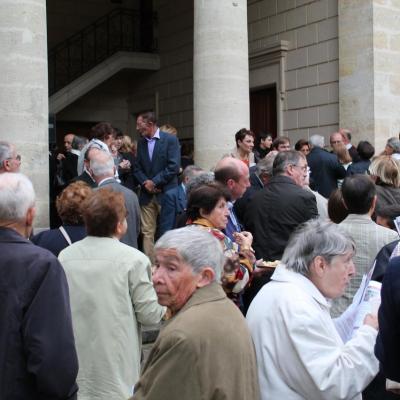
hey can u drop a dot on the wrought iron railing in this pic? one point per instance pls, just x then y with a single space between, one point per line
120 30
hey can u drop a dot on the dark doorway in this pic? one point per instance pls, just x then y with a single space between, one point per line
263 115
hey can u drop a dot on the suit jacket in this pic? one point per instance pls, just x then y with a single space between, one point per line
275 212
190 356
132 206
37 348
325 171
85 177
387 348
173 204
162 169
369 238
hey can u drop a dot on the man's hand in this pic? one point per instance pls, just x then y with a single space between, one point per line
149 186
60 156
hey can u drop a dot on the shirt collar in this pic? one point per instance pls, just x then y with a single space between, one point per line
155 136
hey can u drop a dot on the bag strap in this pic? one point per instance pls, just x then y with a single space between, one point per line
65 234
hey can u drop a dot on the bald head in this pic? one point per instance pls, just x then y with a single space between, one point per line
101 165
234 174
336 140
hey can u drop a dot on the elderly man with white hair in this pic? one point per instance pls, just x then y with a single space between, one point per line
10 161
37 349
300 354
102 168
204 351
324 166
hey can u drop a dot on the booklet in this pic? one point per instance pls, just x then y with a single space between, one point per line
366 301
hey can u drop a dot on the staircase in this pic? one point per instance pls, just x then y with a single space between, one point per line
119 40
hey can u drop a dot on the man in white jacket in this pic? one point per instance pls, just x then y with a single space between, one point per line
300 354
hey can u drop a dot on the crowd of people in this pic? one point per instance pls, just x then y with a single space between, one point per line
251 268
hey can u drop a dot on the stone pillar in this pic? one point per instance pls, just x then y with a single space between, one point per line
369 73
220 77
24 92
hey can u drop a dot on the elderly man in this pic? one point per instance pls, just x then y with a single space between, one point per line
281 206
10 161
346 135
67 161
156 169
37 350
325 167
234 174
300 355
102 168
204 351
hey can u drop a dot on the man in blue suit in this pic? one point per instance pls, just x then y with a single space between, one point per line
175 200
156 169
324 166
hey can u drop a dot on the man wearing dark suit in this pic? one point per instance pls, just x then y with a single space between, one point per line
156 169
103 170
85 175
281 206
346 134
259 176
174 200
324 166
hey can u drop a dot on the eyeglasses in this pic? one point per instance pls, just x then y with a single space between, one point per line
304 168
17 157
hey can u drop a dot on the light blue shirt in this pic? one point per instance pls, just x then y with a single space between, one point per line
152 142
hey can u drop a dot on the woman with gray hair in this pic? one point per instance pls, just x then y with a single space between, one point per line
291 314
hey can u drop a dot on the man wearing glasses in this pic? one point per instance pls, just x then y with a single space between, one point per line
10 161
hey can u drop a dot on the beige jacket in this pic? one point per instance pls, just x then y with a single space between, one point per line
111 296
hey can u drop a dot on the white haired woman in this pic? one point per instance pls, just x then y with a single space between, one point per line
300 354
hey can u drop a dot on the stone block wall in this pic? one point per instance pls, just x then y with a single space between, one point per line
311 104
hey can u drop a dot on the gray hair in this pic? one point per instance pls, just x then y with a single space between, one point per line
394 143
78 142
315 238
191 171
16 196
199 180
102 164
264 166
198 248
5 152
317 141
285 158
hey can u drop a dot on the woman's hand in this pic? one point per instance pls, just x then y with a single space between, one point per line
244 239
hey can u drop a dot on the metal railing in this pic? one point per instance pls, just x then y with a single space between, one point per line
120 30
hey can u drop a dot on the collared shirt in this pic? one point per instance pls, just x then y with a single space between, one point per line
152 142
349 146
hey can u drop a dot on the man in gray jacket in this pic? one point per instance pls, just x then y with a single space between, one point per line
103 171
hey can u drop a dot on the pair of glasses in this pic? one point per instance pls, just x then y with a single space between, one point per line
17 157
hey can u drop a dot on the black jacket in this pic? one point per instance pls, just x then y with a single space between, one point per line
325 171
37 348
387 348
275 212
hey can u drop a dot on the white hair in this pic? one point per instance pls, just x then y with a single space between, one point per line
315 238
16 196
5 152
317 141
102 164
198 248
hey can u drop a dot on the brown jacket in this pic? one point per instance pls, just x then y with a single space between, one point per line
204 352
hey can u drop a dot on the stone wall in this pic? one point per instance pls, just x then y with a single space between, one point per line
311 98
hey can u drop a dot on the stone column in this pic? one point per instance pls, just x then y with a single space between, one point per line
369 73
24 92
220 77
